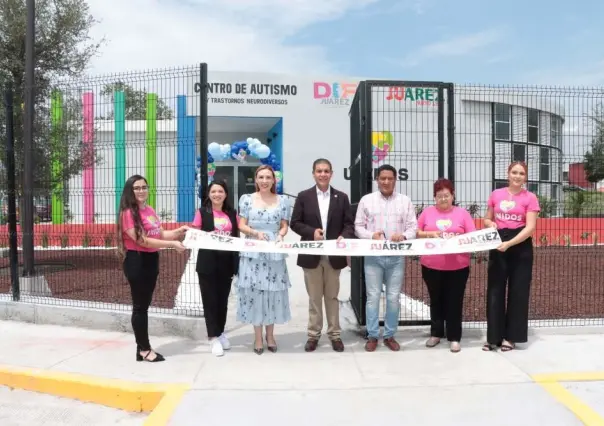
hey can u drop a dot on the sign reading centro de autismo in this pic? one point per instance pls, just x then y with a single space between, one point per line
249 93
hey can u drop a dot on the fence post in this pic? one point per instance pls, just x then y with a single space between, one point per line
27 227
203 128
451 130
12 199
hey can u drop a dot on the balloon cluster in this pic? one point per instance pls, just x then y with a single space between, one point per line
240 150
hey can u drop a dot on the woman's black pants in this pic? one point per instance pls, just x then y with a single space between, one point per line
215 289
511 270
141 270
446 289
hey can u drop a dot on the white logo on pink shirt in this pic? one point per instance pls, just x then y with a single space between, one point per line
153 230
506 206
443 224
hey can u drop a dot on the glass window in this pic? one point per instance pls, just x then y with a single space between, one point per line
555 192
502 131
556 131
533 126
533 117
502 113
503 128
544 164
533 187
519 153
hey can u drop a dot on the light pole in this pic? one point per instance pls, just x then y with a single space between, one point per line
28 144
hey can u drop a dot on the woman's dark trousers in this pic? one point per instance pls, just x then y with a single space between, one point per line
446 289
141 270
511 270
215 289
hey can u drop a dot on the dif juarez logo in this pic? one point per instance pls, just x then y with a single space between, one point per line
336 93
420 96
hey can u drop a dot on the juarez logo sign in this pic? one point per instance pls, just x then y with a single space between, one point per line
337 93
421 96
381 144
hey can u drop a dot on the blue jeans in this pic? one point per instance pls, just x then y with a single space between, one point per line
388 270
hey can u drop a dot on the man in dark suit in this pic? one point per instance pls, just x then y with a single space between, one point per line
322 213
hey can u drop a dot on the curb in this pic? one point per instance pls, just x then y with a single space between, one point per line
159 400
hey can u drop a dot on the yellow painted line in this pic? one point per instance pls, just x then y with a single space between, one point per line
583 411
586 376
163 411
551 383
160 400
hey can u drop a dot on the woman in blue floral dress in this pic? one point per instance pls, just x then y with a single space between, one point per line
263 282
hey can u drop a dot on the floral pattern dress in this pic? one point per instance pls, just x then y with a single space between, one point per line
263 282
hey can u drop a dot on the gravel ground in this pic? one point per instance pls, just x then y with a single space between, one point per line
568 282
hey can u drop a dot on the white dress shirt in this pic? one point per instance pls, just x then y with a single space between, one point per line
323 199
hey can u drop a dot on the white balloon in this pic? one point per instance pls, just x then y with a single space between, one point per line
214 149
263 151
249 140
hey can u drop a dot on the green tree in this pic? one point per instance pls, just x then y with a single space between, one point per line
594 157
62 50
136 102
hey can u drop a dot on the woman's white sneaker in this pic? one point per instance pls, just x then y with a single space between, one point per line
216 347
226 345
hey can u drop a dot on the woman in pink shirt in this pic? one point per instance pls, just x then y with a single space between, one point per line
445 275
216 268
513 212
140 236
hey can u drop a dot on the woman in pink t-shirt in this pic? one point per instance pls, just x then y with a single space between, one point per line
216 268
513 212
445 275
140 236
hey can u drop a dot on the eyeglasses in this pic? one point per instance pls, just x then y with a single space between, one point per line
140 188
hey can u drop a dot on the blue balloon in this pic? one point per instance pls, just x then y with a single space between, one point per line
210 159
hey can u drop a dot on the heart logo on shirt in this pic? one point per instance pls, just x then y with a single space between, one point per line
507 205
443 224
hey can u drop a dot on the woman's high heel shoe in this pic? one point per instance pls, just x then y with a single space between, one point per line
273 349
158 357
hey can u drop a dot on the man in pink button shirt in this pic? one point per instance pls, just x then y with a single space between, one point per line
384 215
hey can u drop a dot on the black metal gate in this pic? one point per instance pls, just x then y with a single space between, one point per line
409 125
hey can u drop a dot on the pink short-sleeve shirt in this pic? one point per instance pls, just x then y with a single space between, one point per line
509 211
222 223
453 222
151 227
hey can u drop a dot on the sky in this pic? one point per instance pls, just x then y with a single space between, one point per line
467 41
515 43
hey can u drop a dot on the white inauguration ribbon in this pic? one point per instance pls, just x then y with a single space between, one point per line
481 240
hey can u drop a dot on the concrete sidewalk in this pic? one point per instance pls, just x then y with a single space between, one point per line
557 379
417 385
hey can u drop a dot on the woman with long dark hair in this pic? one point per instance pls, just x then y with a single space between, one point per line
513 212
216 268
140 236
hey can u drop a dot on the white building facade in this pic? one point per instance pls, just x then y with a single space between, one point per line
303 118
